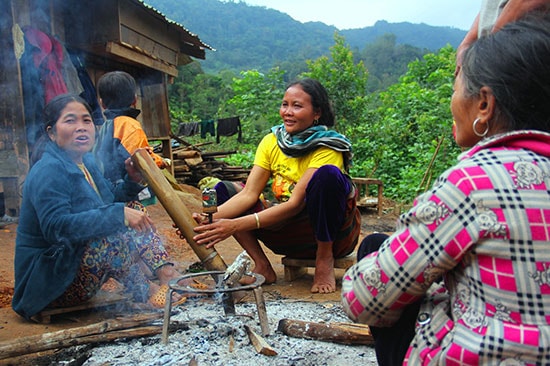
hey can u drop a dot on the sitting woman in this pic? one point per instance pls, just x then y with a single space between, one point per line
464 279
75 230
315 216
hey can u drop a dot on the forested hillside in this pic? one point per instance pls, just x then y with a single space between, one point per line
252 37
390 85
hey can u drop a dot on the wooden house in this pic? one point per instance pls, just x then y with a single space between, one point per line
101 36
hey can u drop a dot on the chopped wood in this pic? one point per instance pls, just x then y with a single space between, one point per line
219 153
186 154
259 343
107 330
193 161
231 343
346 333
181 168
190 164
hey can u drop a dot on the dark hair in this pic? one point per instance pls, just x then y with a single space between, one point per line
319 99
515 63
117 89
52 112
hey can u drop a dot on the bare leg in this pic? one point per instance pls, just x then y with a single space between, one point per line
249 242
324 281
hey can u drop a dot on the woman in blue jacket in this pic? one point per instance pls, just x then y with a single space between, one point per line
75 229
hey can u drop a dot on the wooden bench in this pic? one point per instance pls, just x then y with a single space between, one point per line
296 268
363 198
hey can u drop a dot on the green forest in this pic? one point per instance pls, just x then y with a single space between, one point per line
391 100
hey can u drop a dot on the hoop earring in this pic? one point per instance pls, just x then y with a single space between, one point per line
474 126
315 122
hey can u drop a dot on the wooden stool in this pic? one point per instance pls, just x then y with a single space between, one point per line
296 268
362 184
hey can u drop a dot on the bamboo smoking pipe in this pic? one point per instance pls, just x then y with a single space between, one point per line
176 209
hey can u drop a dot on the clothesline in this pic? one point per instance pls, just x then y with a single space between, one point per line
224 127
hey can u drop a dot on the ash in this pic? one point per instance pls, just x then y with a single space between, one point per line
209 337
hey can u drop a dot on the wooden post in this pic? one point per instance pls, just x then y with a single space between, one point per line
176 208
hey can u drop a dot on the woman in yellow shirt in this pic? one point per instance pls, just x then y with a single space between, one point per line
315 216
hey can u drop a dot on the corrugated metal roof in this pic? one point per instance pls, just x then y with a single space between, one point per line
190 39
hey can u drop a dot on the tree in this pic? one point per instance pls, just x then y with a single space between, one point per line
256 99
387 60
408 123
345 81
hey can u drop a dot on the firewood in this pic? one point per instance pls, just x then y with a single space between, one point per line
104 331
186 154
259 343
346 333
181 168
219 153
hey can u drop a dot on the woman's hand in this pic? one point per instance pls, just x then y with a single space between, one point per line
200 218
211 234
133 173
138 220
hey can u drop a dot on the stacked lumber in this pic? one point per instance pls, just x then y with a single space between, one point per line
191 165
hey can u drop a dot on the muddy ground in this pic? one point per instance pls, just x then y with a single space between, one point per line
13 327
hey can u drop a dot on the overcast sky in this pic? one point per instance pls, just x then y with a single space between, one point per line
349 14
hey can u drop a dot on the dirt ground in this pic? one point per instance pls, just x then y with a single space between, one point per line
12 326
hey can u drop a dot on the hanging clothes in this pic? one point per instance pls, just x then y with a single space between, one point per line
89 93
229 127
47 71
207 126
189 129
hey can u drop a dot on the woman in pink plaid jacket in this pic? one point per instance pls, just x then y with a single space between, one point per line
465 278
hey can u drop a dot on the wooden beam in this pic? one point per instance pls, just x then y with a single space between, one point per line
137 56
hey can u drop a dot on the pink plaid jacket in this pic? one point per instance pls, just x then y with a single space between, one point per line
477 248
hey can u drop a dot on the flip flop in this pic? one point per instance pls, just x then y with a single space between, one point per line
158 299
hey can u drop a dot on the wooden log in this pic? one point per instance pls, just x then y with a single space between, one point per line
219 153
193 161
181 168
98 332
259 343
345 333
179 213
186 154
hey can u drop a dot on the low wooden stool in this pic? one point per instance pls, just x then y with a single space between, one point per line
296 268
363 199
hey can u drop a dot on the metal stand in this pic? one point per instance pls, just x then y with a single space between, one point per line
227 298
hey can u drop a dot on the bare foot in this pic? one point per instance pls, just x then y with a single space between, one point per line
166 273
324 281
268 273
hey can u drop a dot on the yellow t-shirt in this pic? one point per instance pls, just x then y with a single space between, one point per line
286 171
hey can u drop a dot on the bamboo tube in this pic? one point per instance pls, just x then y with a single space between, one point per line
179 213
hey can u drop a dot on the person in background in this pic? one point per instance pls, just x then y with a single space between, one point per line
315 216
493 15
121 134
75 230
469 262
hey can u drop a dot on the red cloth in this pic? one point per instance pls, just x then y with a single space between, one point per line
48 57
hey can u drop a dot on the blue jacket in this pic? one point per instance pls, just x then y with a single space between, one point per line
60 213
